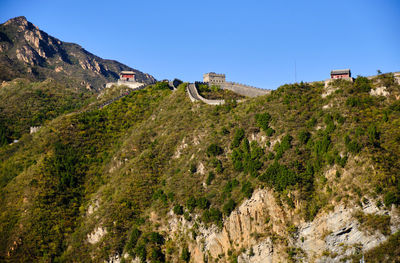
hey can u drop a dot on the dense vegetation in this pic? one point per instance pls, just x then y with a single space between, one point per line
25 104
154 151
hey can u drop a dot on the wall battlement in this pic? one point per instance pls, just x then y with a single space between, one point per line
213 78
245 90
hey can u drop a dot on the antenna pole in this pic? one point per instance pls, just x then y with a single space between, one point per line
295 71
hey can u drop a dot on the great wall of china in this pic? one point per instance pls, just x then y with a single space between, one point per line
195 96
128 79
219 80
209 79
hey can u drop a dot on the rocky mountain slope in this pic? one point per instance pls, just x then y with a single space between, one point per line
307 173
28 52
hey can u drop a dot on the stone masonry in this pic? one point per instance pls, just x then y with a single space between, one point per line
213 78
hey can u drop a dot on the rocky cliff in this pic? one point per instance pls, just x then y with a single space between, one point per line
261 230
27 51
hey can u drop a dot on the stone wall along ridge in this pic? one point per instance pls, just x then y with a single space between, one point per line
195 96
245 90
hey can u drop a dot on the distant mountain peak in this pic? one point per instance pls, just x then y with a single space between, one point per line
26 51
18 21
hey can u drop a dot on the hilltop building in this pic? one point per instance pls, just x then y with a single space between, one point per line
340 73
214 78
127 76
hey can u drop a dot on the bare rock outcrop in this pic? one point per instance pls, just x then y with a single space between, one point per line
258 229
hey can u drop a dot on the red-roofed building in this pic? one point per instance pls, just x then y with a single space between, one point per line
340 74
127 76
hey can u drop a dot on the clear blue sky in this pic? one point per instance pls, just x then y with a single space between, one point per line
253 42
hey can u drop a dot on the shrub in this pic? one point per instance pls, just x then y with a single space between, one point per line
3 135
285 144
203 203
321 146
193 168
185 255
133 239
191 203
245 146
373 135
271 156
140 252
311 122
230 185
212 215
210 178
391 198
178 210
304 136
373 222
362 84
156 238
353 101
156 255
224 131
159 194
357 101
270 131
247 189
161 85
352 146
214 150
330 125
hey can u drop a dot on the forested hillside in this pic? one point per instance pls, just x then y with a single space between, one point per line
154 176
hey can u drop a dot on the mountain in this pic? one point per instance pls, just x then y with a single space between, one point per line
307 173
28 52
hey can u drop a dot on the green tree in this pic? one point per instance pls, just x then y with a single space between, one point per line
229 206
263 120
237 138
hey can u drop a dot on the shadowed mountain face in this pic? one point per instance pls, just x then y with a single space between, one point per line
26 51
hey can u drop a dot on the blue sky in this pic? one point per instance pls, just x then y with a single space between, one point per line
252 42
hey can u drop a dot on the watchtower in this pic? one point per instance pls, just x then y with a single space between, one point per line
214 78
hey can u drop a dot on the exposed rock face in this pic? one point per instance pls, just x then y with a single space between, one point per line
380 91
259 253
258 228
244 228
96 235
29 52
338 232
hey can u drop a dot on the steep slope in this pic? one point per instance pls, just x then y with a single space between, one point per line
26 51
306 173
25 104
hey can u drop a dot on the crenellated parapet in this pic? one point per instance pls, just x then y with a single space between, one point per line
213 78
245 90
